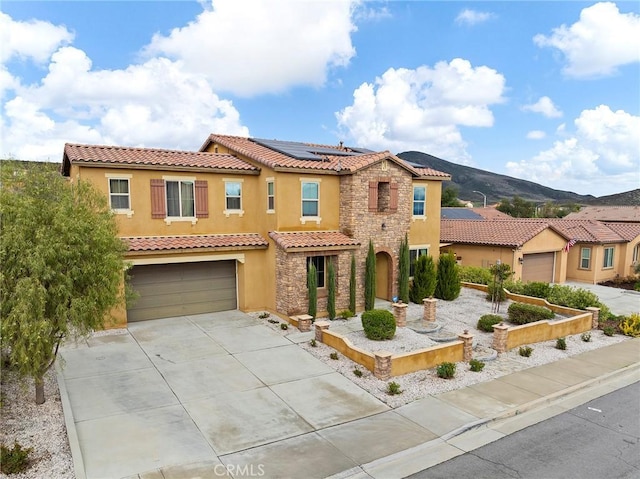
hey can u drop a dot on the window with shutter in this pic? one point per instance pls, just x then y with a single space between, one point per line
158 209
202 199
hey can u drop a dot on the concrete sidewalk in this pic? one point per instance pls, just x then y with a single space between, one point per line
222 396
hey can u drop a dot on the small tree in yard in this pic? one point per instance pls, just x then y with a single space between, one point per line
370 279
352 285
312 286
424 279
403 270
331 290
448 285
62 265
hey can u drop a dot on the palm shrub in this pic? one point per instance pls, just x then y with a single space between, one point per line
331 290
312 287
403 273
424 279
370 279
448 282
352 285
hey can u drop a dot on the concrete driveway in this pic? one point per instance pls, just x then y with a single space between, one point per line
199 389
619 301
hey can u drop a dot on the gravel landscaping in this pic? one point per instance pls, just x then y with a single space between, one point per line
42 427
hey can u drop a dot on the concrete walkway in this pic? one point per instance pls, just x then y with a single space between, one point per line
619 301
208 395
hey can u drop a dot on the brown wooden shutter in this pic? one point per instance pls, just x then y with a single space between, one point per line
202 199
373 196
158 209
393 199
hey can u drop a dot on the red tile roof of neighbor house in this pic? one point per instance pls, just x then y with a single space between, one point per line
628 231
312 239
607 213
334 163
164 243
119 155
490 213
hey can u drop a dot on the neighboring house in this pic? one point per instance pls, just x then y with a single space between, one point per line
611 214
546 249
237 224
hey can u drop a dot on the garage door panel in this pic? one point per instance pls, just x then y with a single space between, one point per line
538 267
183 289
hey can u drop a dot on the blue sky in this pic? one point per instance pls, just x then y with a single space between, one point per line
544 91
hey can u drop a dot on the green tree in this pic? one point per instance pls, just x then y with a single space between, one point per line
62 265
312 288
370 279
448 282
403 270
424 279
331 290
517 207
352 285
449 197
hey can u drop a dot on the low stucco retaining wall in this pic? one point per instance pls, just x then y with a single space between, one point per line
426 358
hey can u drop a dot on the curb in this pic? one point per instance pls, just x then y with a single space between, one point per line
69 424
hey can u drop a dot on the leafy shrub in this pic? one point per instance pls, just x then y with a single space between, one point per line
586 337
446 370
313 343
496 292
331 290
448 282
424 279
630 326
312 290
403 270
357 372
273 321
516 287
264 315
352 284
521 313
393 388
609 330
525 351
334 356
486 322
578 298
370 279
537 289
378 324
346 314
476 366
14 460
284 326
561 343
474 274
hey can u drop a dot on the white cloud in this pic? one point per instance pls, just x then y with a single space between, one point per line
254 47
596 45
544 106
536 135
601 157
473 17
422 109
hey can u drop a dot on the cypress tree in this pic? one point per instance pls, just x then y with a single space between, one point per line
424 279
403 273
448 286
331 292
312 286
352 285
370 279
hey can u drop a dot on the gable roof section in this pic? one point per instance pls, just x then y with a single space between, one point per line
585 231
345 159
98 155
511 233
607 213
628 231
305 240
189 242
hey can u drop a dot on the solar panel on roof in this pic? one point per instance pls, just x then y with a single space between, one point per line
302 151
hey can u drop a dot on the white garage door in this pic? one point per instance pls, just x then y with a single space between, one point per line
169 290
538 267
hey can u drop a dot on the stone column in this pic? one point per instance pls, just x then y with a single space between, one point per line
500 334
320 327
467 339
304 322
400 314
595 316
429 314
382 366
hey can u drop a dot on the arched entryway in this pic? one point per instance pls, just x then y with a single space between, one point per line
383 275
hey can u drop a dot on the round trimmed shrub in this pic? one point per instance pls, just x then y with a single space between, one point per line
521 313
486 322
378 324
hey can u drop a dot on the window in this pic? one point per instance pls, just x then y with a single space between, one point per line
413 256
180 199
585 258
636 254
608 257
233 195
119 193
310 198
419 200
318 262
271 196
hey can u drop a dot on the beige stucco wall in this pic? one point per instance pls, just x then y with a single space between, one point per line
596 273
425 232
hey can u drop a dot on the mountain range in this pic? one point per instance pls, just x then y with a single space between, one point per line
469 181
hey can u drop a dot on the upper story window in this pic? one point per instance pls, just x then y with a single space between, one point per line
608 257
414 253
233 195
271 196
383 195
310 198
585 258
120 194
419 200
180 199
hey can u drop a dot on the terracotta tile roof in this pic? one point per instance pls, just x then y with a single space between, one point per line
607 213
331 163
486 232
312 239
584 231
628 231
164 243
119 155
